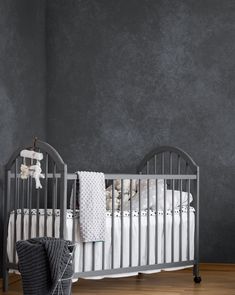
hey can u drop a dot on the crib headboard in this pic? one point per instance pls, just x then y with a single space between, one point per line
167 160
40 146
20 194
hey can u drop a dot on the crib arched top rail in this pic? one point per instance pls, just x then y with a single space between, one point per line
44 147
180 154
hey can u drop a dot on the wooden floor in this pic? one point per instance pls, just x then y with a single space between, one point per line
217 279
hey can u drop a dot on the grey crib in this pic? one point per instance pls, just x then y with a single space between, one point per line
175 167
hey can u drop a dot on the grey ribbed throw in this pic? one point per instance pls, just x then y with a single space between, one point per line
42 262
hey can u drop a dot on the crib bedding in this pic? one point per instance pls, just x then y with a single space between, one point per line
146 188
117 237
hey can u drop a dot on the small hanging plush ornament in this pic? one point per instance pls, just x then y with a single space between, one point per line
35 170
24 171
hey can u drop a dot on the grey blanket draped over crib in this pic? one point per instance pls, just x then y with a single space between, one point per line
42 263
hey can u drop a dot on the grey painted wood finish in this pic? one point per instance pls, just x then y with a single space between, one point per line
58 177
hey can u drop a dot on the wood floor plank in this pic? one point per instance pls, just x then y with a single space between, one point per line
217 279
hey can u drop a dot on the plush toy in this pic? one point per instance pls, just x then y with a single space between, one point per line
109 204
126 185
127 196
35 172
117 200
109 199
109 193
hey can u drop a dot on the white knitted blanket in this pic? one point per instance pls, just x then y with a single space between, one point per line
92 202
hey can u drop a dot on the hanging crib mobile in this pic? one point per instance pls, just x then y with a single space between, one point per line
34 169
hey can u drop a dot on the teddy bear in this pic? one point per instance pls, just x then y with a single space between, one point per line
109 199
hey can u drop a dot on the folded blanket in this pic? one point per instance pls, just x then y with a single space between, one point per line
92 204
42 263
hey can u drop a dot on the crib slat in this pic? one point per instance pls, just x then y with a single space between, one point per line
148 224
16 192
7 211
38 216
83 256
173 222
130 243
38 206
74 207
112 233
173 211
121 254
196 239
181 224
54 194
139 222
7 202
178 169
155 164
93 256
186 168
188 222
45 195
22 210
147 167
103 255
62 202
103 242
30 207
163 163
164 221
28 194
171 164
156 225
18 187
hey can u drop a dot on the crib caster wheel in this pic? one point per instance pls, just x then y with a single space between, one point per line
197 280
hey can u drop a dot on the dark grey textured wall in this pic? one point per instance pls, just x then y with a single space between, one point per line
127 76
124 77
22 77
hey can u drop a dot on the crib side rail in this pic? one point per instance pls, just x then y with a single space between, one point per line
179 174
183 185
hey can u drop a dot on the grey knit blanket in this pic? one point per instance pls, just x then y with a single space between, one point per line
42 263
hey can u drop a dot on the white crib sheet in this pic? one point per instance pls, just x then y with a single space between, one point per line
117 237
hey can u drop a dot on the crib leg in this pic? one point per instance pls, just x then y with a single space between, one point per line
197 278
5 281
140 276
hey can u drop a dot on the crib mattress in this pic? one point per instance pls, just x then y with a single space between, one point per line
87 250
